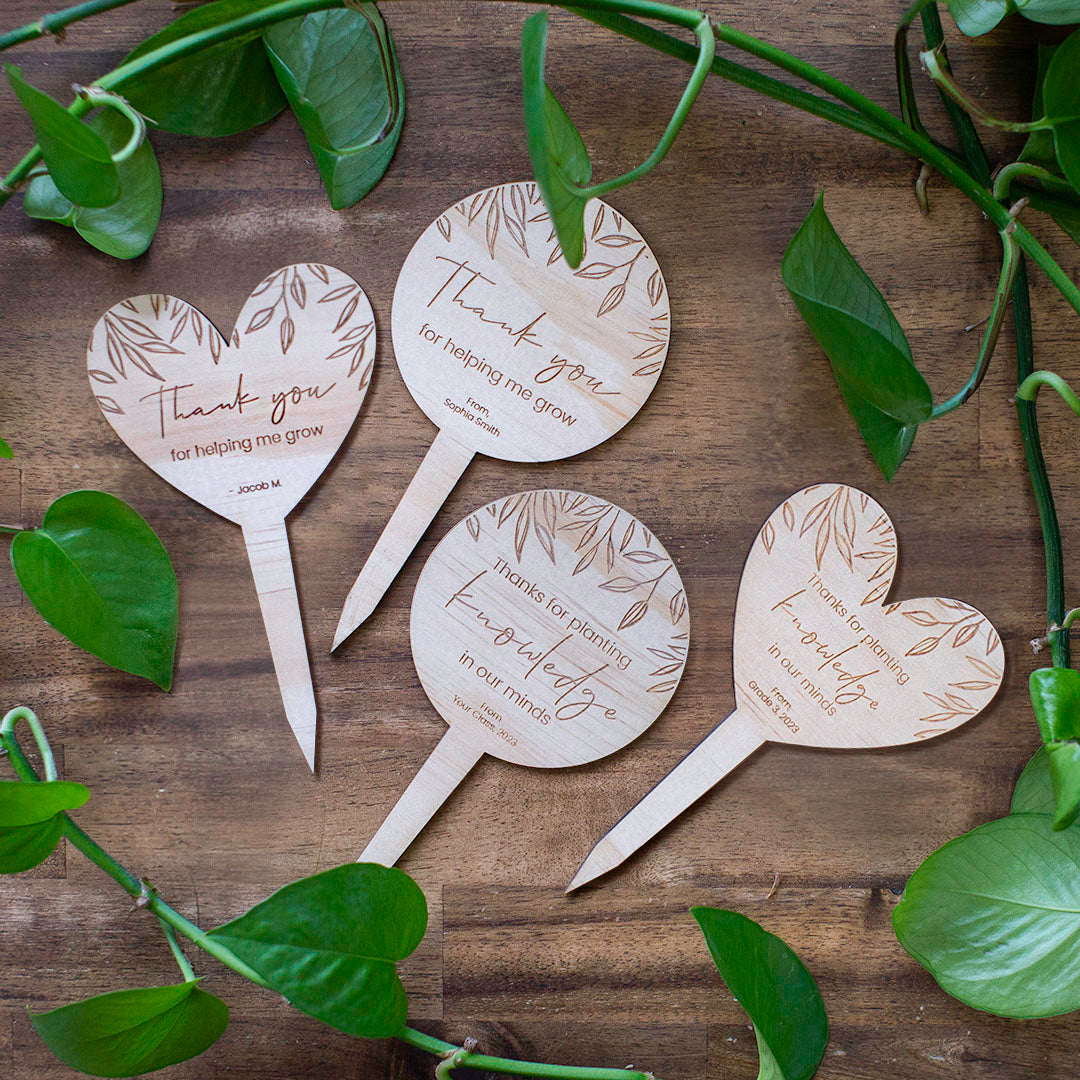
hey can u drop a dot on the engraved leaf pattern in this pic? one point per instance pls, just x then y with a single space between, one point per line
598 532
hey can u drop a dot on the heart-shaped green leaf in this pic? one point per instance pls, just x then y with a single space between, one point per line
975 17
1061 97
887 439
329 943
98 573
22 847
340 74
220 90
1053 12
1034 791
994 916
78 159
5 450
559 159
849 317
124 229
24 803
131 1032
1055 698
772 984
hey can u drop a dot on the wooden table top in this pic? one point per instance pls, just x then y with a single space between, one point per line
203 790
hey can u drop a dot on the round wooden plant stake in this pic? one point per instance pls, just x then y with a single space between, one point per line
244 426
513 354
548 629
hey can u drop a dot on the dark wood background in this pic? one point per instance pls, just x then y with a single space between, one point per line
203 790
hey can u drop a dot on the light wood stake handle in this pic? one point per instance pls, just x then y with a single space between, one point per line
440 470
709 762
448 764
271 566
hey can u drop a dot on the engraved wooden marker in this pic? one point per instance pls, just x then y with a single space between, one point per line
511 353
244 427
548 629
821 660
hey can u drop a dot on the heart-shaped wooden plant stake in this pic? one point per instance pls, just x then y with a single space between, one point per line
244 427
821 660
550 628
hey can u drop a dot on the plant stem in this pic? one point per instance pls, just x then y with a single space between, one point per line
706 52
1031 386
931 59
15 528
178 955
1025 363
1040 480
516 1068
55 23
7 734
1055 184
1009 265
741 75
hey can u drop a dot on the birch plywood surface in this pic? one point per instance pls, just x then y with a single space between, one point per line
202 790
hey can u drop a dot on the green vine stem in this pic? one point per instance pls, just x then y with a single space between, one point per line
104 99
172 922
1056 184
937 71
1010 263
56 23
182 961
1028 423
515 1068
706 52
7 735
1031 386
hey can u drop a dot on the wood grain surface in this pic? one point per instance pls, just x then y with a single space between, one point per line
202 791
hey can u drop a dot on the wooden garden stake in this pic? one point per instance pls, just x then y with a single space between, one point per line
513 354
245 427
549 629
821 660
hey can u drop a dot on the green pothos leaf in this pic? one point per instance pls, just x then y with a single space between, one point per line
559 159
330 943
888 440
124 229
1034 791
131 1032
22 847
78 159
869 354
97 572
1039 148
975 17
1061 98
1055 698
994 916
5 450
772 984
26 803
220 90
340 74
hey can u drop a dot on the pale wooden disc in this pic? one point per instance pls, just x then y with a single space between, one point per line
244 427
507 348
551 627
820 658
